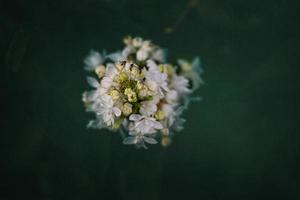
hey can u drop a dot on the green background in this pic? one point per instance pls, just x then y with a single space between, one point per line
240 142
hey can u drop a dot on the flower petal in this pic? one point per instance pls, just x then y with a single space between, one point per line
150 140
93 82
106 82
89 96
157 125
116 56
110 70
93 60
130 140
141 55
135 117
117 111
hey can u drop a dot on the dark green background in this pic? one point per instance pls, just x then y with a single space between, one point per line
240 142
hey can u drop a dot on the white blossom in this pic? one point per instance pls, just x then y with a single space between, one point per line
192 71
107 110
145 125
156 80
93 60
135 91
141 55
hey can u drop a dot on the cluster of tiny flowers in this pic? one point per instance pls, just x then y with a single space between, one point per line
135 91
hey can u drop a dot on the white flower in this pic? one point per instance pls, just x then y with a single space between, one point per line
137 42
139 93
93 82
116 56
147 45
156 80
141 130
169 113
180 84
159 55
97 123
93 60
195 74
99 89
173 116
111 70
127 51
90 96
139 140
145 125
148 108
141 55
172 97
107 110
192 71
107 80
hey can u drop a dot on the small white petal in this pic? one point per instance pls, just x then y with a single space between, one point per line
117 111
117 56
137 42
135 117
93 82
90 95
110 70
130 140
180 84
95 124
196 65
106 82
93 60
152 65
157 125
172 96
150 140
159 55
148 108
141 55
127 50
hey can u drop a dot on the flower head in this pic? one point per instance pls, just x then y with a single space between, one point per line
135 90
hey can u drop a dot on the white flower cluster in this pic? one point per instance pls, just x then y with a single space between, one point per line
137 92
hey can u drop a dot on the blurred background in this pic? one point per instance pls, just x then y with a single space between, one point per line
241 142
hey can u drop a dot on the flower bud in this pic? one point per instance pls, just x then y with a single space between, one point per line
159 115
141 55
131 95
122 77
115 95
165 141
137 42
127 109
127 40
100 71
